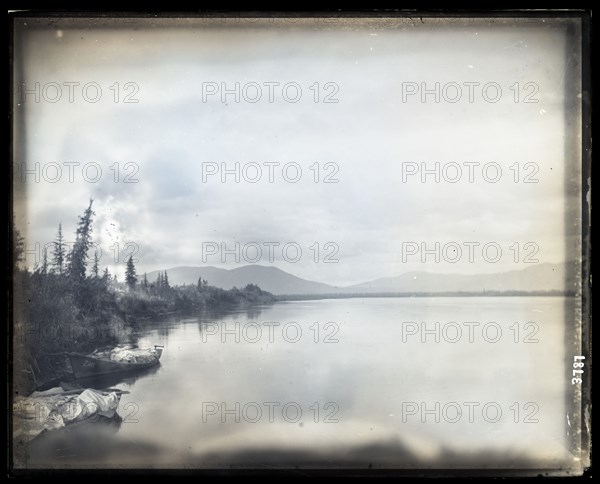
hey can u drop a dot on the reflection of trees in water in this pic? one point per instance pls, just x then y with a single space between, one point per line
108 381
216 315
253 313
164 324
163 332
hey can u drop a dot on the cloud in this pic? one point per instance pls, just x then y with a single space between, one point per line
368 137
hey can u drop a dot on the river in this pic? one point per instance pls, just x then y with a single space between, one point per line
370 382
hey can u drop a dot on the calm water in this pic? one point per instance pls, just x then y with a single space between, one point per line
340 381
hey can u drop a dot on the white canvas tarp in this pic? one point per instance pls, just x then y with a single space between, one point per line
53 409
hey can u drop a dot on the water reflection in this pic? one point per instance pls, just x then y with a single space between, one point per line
368 371
219 315
216 314
101 382
140 326
90 441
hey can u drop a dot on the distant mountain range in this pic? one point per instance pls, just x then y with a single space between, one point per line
538 277
269 279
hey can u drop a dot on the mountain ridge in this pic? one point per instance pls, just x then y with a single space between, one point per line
538 277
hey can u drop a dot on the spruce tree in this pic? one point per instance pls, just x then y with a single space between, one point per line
18 246
45 262
58 258
95 266
83 241
130 275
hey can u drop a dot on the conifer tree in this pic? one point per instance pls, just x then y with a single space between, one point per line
130 275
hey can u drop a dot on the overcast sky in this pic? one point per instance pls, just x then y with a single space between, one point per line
369 136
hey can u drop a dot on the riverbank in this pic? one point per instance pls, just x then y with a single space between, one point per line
54 314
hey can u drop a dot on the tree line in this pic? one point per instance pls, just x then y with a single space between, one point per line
65 304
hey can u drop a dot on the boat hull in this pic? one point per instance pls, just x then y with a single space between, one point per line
84 366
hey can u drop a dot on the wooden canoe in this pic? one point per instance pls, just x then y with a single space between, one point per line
89 365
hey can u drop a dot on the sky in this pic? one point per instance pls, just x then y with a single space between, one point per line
159 194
